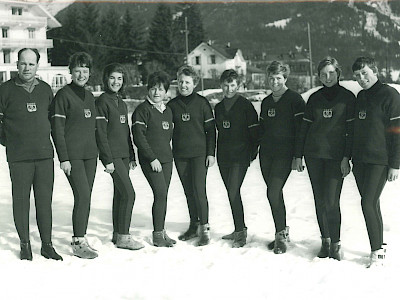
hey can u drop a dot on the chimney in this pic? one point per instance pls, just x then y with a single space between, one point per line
228 45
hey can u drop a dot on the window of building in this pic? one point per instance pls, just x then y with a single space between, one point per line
2 77
212 59
6 56
16 11
197 58
31 33
58 82
4 32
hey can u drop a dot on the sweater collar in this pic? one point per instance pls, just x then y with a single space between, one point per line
27 86
159 106
373 89
330 93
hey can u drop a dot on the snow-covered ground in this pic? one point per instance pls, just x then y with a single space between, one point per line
215 271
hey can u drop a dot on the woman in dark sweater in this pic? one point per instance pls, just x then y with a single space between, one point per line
116 152
280 120
326 141
193 147
237 124
152 133
73 125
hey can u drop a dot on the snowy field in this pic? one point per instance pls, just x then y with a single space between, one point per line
215 271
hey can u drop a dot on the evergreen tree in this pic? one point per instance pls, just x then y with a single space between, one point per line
108 36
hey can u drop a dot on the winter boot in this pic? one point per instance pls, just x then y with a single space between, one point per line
126 241
167 238
335 251
377 258
191 232
81 248
325 248
114 238
204 235
281 240
271 245
48 252
231 236
240 239
159 239
26 251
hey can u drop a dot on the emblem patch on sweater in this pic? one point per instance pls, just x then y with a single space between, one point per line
185 117
327 113
87 112
165 125
362 114
226 124
271 112
122 119
31 107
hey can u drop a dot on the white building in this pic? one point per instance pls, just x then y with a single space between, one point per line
211 60
24 24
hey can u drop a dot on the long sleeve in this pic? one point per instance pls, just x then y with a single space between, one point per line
210 130
254 129
139 128
350 111
308 119
2 133
394 131
298 115
101 132
58 115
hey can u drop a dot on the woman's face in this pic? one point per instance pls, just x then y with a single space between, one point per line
229 88
80 75
157 93
115 81
185 85
276 82
328 76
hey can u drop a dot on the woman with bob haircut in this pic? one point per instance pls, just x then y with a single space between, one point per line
326 141
152 132
73 122
280 121
193 147
116 152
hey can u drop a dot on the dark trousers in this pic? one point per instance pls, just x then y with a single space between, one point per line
275 172
233 177
326 181
81 181
371 180
159 183
40 175
124 196
192 173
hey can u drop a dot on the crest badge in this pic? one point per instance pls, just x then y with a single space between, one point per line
271 112
122 119
87 112
185 117
226 124
31 107
362 114
327 113
165 125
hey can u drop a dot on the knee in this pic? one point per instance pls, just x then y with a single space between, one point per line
273 196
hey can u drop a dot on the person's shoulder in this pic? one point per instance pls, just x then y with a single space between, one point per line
89 94
347 92
294 96
44 84
390 90
7 85
63 91
144 106
173 101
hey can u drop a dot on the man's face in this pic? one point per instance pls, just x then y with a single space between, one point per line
366 77
27 65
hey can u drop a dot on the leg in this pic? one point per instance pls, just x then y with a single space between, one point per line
199 173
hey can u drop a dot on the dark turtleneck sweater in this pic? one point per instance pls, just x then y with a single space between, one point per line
78 90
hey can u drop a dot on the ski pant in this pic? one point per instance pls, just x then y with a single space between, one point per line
159 183
39 174
124 196
192 173
81 181
371 180
275 172
233 177
326 181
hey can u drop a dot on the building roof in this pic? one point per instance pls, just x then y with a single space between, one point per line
225 51
254 70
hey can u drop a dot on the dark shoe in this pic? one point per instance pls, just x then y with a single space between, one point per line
190 233
114 238
26 251
48 252
160 241
231 236
168 239
240 239
281 240
335 251
204 235
271 245
325 248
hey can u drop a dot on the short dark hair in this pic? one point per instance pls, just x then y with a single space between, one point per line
363 61
188 71
32 49
229 76
80 59
277 67
329 61
158 78
111 68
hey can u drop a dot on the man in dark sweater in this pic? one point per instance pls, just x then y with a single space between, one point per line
25 132
376 148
